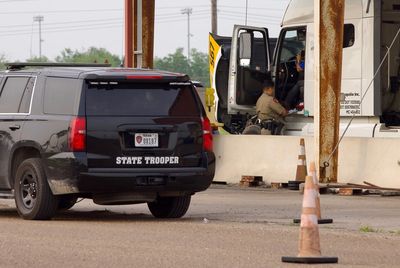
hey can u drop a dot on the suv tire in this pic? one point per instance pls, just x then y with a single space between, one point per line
170 207
33 197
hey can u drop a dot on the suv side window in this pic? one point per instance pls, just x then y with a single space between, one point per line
26 98
11 93
60 95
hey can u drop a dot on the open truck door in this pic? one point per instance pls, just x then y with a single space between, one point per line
239 66
249 67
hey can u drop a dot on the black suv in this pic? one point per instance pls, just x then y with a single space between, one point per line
114 135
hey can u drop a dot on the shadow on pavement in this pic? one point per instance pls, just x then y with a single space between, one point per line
99 215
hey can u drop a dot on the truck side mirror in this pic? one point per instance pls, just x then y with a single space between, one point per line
301 35
245 40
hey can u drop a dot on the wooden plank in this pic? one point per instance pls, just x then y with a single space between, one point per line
370 184
349 191
276 185
252 178
249 184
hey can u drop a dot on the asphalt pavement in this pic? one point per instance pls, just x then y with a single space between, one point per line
226 226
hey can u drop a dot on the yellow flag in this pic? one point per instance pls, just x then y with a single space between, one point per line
214 53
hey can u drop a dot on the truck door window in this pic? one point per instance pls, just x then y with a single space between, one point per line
252 66
245 49
290 68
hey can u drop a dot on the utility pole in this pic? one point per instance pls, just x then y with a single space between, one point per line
139 33
188 11
39 19
247 5
214 17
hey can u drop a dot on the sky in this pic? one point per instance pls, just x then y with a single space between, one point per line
80 24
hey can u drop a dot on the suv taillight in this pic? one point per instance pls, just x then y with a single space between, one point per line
207 135
77 134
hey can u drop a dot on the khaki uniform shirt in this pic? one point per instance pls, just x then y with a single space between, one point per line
268 107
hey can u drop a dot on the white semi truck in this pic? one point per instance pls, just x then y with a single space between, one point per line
240 64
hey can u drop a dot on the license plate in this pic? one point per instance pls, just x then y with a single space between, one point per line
146 139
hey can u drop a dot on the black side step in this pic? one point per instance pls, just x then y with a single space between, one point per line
7 194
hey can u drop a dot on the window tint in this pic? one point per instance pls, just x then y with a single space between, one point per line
60 96
141 100
348 36
27 96
10 97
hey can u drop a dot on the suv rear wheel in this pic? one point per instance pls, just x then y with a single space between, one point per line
33 197
170 207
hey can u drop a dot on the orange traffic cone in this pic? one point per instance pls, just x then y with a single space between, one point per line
309 246
301 171
313 173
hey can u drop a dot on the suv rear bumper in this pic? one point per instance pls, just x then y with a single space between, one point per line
73 176
147 180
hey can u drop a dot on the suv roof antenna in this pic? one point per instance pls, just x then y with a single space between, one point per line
22 65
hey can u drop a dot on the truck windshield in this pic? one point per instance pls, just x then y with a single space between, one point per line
133 99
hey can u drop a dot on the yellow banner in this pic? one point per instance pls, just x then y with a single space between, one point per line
213 51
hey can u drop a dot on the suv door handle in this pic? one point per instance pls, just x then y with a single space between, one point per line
14 127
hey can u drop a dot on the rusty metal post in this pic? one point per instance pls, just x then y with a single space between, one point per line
129 34
331 20
148 33
146 53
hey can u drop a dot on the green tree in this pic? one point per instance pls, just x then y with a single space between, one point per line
38 59
2 62
91 55
197 69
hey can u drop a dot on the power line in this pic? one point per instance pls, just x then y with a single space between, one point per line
251 14
62 11
64 27
5 1
87 27
60 23
252 8
87 10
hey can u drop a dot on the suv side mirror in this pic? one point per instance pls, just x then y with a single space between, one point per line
245 41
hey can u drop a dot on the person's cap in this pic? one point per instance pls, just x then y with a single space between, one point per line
268 83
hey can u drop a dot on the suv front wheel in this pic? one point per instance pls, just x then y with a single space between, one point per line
170 207
33 197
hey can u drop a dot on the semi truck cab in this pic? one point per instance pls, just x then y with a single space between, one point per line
240 64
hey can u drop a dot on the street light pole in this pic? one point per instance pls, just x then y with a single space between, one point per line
214 17
247 5
188 11
39 19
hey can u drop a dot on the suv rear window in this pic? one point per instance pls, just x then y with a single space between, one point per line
60 95
128 99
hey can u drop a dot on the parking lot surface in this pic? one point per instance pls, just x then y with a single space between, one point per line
226 226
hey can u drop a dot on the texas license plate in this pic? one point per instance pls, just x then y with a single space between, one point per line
146 139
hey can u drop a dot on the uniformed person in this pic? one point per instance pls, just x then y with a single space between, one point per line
269 111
